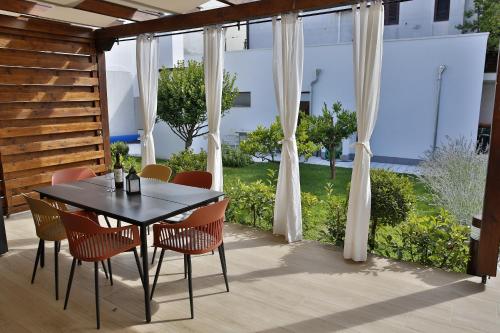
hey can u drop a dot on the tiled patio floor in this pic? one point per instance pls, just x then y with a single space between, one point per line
275 287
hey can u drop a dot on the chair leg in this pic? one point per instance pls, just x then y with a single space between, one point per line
79 262
110 271
96 277
185 266
42 254
138 263
107 221
104 269
56 268
158 268
222 256
154 255
70 281
190 284
213 252
37 259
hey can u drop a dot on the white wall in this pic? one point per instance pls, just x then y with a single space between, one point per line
405 127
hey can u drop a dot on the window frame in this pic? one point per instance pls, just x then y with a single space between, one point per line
447 16
387 11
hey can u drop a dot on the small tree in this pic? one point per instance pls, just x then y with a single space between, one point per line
330 128
181 99
485 17
264 142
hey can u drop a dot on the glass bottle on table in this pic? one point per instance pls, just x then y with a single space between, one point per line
118 171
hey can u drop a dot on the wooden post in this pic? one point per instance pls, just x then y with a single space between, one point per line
103 94
490 224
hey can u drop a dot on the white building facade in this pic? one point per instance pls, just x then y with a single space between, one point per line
409 119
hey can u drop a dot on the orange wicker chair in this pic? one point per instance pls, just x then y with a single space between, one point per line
200 233
49 227
92 243
201 179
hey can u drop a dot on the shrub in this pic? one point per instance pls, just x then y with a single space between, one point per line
455 174
392 200
310 204
119 147
438 241
234 157
336 210
251 203
187 160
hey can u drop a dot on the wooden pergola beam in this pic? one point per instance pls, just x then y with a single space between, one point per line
115 10
243 12
23 7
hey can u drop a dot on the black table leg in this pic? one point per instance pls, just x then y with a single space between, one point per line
3 234
145 270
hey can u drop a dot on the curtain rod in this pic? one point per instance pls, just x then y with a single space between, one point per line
231 25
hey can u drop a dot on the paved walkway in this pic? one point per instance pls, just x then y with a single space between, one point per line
398 168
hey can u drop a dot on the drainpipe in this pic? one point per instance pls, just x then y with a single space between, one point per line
441 70
313 82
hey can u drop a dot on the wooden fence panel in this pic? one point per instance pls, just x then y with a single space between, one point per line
51 113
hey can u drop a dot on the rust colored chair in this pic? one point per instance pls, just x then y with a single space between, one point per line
200 233
157 172
72 175
92 243
201 179
49 227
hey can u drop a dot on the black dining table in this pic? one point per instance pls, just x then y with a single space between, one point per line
157 201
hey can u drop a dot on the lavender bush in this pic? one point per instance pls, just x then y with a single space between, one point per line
455 173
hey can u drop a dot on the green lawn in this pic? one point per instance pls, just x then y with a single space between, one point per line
313 179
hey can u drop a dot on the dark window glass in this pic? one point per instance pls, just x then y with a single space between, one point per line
391 13
442 10
243 100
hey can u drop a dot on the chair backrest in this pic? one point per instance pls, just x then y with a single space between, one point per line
199 233
48 224
91 242
72 175
201 179
157 172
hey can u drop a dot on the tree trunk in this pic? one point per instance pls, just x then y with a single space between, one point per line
373 233
188 143
333 170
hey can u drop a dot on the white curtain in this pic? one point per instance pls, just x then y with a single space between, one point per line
147 75
368 29
214 76
288 55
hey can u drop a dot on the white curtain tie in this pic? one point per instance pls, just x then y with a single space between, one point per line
365 145
282 141
215 138
145 137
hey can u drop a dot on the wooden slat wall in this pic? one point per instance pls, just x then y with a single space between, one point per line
52 115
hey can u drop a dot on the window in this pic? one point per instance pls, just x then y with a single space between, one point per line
391 13
442 10
243 100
